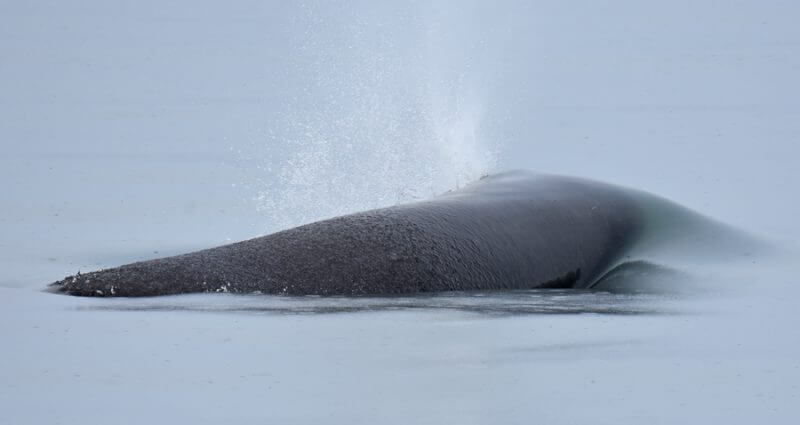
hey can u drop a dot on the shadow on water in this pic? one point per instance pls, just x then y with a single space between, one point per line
529 302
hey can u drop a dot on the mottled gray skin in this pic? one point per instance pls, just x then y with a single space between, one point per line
514 230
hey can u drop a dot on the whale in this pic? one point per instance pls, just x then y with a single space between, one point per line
507 231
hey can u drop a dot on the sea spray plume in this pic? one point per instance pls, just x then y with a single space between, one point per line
378 120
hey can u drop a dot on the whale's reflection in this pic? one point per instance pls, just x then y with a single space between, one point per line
527 302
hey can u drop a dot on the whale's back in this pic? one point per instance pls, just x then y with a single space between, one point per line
514 230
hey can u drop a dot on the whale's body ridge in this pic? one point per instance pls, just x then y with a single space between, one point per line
515 230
